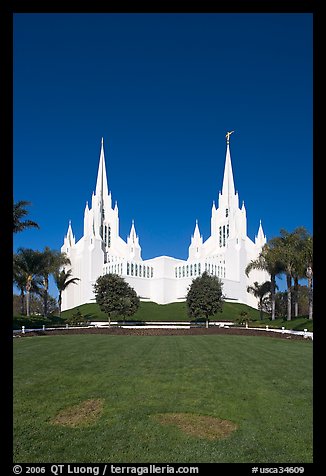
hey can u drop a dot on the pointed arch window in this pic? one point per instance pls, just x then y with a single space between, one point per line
226 212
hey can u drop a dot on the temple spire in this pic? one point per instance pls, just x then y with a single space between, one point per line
102 182
260 237
228 189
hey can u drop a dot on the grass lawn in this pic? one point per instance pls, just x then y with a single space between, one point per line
101 398
176 311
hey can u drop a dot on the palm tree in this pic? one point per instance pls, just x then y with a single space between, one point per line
295 253
52 261
28 266
19 280
307 268
302 244
63 279
20 212
260 291
268 261
287 254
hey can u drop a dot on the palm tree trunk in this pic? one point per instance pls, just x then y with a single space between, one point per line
288 280
296 294
261 308
59 303
27 304
273 296
310 296
45 296
28 287
22 301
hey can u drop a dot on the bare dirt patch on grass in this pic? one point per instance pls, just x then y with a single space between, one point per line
84 414
200 426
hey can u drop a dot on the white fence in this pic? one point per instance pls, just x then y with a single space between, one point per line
167 325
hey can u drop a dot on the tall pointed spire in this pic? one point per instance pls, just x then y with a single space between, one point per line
260 237
228 189
102 182
133 235
70 239
196 235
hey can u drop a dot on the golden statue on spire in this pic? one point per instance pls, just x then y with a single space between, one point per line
228 136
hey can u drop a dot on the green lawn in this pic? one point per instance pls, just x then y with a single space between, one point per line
176 311
263 385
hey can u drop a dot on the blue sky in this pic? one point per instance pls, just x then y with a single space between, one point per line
162 89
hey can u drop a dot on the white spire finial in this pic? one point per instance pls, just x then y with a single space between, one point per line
228 136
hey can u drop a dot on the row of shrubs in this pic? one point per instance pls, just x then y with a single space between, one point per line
78 319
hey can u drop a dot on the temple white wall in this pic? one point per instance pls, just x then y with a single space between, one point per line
163 279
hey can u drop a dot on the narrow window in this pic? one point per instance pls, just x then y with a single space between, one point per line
136 269
191 270
132 269
220 230
109 237
227 212
195 269
128 269
152 272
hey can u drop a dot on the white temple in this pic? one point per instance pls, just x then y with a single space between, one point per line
163 279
